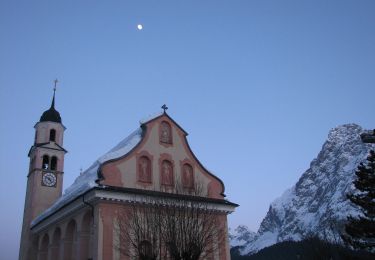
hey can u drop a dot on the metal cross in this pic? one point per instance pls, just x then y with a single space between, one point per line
54 88
164 107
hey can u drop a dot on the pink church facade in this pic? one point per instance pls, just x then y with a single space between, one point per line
81 223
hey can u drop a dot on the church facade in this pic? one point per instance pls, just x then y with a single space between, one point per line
153 164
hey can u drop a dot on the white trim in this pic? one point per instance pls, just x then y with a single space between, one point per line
149 199
115 196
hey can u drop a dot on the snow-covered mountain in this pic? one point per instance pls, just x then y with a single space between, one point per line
316 205
241 236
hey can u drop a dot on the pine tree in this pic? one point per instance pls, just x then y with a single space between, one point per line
360 230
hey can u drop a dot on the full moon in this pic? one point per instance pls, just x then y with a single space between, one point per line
140 26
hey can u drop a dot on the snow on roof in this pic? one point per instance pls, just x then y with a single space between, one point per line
87 179
150 117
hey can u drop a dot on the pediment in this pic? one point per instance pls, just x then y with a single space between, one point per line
165 147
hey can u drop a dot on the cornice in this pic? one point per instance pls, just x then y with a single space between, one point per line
103 194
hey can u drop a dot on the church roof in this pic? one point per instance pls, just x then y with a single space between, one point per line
51 114
88 179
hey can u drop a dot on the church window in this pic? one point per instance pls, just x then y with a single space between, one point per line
167 173
55 248
70 237
145 250
52 135
34 246
144 169
36 136
187 176
45 164
194 249
43 253
85 239
54 163
165 133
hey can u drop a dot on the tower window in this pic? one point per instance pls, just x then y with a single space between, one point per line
52 135
45 164
54 163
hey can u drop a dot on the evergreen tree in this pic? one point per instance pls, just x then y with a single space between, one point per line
360 230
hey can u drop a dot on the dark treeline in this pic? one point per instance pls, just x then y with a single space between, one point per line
312 248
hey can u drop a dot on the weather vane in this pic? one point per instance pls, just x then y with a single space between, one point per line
165 108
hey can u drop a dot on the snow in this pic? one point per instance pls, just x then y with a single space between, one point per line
86 180
265 240
284 201
150 117
241 236
317 204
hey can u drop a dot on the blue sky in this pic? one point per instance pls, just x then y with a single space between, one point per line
256 84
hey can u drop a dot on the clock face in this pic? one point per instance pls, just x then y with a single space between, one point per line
49 179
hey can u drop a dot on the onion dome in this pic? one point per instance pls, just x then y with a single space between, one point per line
51 114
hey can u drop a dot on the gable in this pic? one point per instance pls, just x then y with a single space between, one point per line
118 167
160 161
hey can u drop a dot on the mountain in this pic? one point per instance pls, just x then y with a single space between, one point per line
316 205
308 249
241 236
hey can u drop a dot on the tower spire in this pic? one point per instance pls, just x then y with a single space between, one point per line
54 92
52 114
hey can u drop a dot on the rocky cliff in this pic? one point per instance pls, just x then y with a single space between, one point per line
316 205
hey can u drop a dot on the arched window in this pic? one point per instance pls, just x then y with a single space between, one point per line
165 133
54 163
70 238
85 240
52 135
167 173
187 176
145 250
56 239
144 169
43 251
45 164
194 250
33 253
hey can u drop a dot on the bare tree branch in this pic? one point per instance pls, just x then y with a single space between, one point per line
178 228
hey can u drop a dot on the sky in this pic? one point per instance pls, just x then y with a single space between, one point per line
257 84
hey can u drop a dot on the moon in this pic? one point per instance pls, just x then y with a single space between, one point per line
140 26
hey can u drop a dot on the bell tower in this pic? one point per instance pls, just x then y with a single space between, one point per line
45 175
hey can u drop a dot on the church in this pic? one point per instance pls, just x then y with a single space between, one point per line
153 169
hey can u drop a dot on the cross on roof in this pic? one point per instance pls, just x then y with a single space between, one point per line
165 108
54 88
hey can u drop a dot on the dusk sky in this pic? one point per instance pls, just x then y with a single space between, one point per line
256 84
